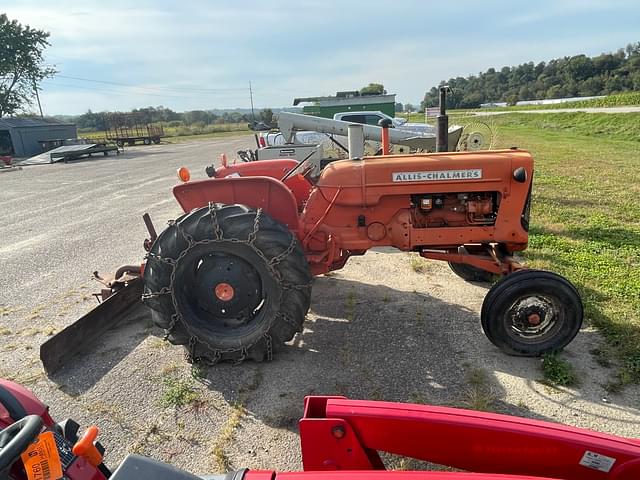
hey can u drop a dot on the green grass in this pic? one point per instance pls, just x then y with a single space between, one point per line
586 216
599 127
558 371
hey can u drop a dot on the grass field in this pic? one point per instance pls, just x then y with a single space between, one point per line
619 100
187 133
586 217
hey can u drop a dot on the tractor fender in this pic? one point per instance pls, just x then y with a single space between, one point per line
264 168
269 194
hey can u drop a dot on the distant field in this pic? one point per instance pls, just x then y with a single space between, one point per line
620 100
586 217
186 133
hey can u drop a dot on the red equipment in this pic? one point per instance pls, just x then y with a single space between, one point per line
19 405
341 438
341 434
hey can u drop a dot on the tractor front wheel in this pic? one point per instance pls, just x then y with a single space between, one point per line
228 282
531 312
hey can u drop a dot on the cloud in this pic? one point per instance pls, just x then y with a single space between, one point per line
290 49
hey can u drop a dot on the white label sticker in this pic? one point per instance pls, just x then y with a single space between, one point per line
597 461
437 175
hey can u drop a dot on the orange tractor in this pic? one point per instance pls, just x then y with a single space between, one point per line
231 278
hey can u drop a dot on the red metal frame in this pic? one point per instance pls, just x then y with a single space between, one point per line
341 434
382 475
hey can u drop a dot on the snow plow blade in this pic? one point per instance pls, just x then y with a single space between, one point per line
82 335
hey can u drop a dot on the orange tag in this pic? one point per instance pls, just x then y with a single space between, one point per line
41 460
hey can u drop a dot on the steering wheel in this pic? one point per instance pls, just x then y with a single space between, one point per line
16 438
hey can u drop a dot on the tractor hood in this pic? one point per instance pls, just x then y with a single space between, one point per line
365 181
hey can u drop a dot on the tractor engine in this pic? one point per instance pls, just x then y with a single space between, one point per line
454 209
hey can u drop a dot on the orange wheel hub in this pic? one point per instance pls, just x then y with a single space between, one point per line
224 292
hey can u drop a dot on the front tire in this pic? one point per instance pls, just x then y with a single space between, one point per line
227 282
531 312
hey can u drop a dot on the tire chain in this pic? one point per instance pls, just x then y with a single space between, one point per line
191 243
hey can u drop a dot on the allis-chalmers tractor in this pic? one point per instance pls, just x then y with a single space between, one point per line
231 278
340 439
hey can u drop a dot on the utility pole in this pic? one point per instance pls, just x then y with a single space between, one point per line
253 115
35 87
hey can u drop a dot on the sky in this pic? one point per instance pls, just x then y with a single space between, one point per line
198 54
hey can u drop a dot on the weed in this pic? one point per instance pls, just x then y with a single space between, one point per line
30 332
349 306
198 372
156 342
225 437
178 393
169 368
602 357
418 264
5 311
417 397
479 394
614 386
558 371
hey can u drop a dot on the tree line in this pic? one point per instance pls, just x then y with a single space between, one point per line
101 121
576 76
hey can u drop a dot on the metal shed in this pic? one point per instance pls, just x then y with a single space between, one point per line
353 101
24 137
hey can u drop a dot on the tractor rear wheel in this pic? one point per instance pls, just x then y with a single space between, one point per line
469 273
531 312
228 282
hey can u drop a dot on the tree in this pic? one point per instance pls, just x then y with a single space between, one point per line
373 89
409 108
558 78
21 64
266 116
399 107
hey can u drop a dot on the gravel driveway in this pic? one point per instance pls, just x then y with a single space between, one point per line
377 329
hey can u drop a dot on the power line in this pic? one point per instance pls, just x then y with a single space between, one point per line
129 93
106 90
205 90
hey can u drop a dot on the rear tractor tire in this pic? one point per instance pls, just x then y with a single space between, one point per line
531 312
228 282
469 273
